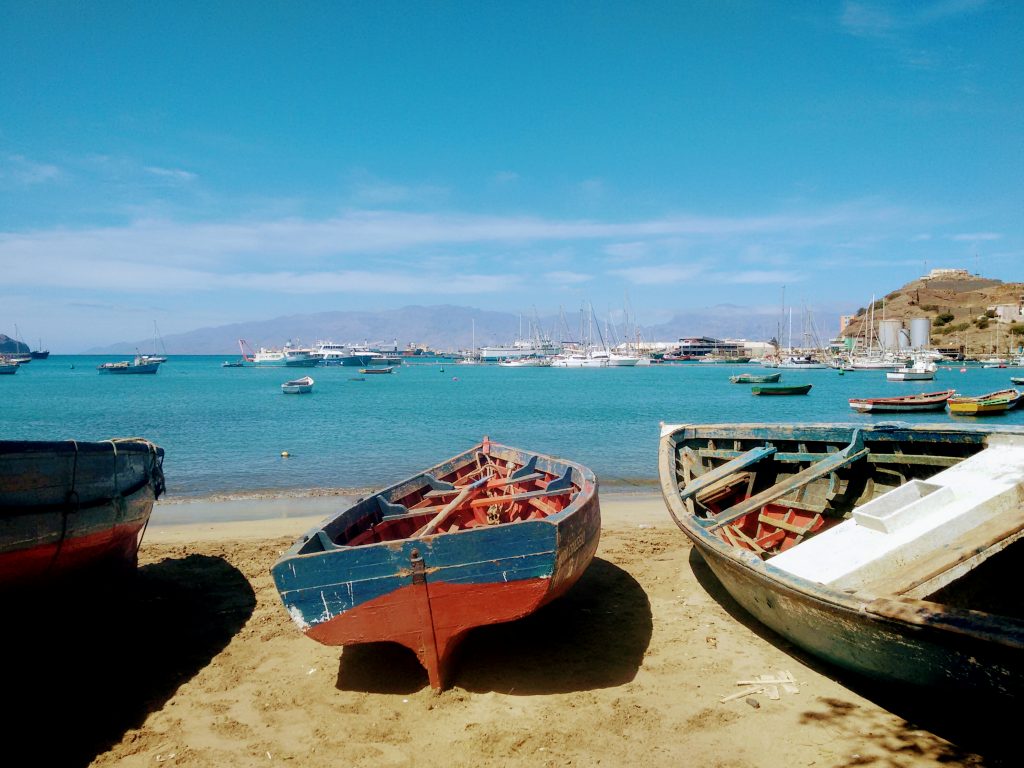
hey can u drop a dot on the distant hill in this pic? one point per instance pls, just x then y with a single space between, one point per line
964 310
447 327
9 346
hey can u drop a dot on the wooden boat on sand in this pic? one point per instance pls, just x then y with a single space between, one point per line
69 506
993 402
485 537
301 386
781 389
922 401
755 378
862 545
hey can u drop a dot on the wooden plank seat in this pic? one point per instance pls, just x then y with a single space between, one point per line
836 461
723 471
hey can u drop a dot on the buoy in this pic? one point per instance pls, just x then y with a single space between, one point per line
455 378
285 454
963 370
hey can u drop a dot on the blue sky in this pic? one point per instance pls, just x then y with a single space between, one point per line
198 164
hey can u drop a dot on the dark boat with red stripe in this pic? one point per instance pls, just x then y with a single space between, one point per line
68 507
485 537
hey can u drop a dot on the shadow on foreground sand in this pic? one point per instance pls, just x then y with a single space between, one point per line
86 662
594 636
974 727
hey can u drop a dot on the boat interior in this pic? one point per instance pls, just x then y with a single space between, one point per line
478 489
889 513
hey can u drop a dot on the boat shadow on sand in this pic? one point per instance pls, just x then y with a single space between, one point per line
945 727
594 636
85 663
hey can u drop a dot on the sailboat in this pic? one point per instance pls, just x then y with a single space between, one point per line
471 360
155 358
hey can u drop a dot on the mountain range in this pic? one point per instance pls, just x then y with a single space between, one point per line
450 328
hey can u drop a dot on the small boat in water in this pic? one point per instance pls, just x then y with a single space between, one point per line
861 545
70 506
781 389
367 371
485 537
138 365
301 386
1018 380
8 367
926 401
232 364
993 402
913 373
756 378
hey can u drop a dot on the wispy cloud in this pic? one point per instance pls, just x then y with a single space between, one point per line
562 277
174 174
883 20
971 237
20 170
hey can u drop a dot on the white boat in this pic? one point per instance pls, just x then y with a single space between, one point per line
920 371
617 360
288 356
332 353
301 386
571 360
801 362
525 362
8 367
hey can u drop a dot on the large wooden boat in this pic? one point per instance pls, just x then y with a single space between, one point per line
781 389
922 401
756 378
993 402
485 537
69 506
862 545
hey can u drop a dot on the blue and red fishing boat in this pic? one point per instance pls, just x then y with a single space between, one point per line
485 537
69 506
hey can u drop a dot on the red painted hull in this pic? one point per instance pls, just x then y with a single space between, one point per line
431 619
53 560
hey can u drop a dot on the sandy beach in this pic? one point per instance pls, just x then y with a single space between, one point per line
197 664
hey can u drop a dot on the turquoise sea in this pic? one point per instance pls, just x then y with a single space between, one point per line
224 429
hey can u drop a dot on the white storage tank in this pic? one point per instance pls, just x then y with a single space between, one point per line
920 332
889 334
904 338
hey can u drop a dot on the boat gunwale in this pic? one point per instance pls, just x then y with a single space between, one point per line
588 489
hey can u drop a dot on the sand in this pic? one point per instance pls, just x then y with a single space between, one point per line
197 664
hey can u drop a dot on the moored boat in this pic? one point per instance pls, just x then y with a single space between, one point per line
926 401
993 402
1018 380
485 537
756 378
301 386
861 544
137 365
8 367
387 369
68 506
781 389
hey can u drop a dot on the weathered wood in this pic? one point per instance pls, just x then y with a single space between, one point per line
712 476
836 461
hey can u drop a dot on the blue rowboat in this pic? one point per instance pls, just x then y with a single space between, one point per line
861 544
485 537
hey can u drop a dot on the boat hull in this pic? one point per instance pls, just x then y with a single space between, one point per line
67 507
426 592
892 637
780 389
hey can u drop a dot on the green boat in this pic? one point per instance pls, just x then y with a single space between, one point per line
782 389
755 378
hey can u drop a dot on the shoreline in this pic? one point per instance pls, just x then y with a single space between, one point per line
313 504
